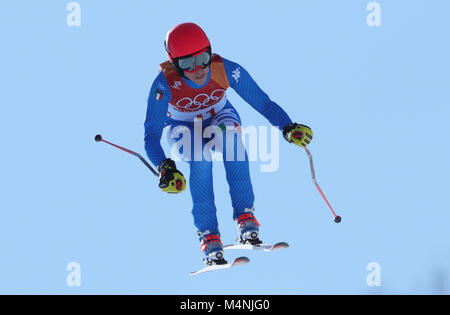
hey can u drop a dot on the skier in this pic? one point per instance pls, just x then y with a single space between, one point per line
190 88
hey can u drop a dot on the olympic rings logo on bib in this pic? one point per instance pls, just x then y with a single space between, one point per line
200 101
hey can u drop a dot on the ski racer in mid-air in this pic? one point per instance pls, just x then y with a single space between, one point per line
191 88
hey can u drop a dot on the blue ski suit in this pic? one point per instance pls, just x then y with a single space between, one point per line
162 114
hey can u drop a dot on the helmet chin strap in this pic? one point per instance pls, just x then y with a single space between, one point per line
172 60
167 51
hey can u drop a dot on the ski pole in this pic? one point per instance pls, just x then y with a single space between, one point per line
337 218
99 138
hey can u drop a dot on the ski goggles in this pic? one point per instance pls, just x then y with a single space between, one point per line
192 62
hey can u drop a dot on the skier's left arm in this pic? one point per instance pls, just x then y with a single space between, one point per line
244 85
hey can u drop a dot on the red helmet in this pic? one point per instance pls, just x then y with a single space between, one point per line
185 39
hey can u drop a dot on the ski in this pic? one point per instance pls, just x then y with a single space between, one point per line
236 262
263 247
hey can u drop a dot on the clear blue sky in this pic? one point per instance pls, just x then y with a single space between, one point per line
377 99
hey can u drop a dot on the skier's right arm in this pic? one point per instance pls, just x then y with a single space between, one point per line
170 179
157 104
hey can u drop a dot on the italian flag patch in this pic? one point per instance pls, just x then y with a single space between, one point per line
238 128
222 127
158 94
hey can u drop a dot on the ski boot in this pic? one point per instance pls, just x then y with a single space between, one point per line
248 229
212 246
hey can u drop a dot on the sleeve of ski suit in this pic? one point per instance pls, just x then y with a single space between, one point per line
244 85
155 118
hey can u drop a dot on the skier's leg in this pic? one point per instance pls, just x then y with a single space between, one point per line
235 162
201 187
204 210
237 173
